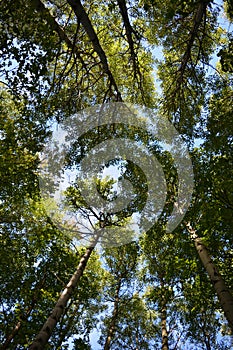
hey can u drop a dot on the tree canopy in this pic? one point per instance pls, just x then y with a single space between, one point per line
165 289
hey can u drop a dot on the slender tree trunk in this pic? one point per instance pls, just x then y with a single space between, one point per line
25 316
64 332
11 336
111 329
224 295
46 331
207 344
164 326
137 339
163 313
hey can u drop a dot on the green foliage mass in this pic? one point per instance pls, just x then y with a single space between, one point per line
60 57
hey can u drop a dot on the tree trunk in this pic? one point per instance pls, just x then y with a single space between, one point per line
224 295
207 344
137 339
111 329
64 332
164 327
46 331
25 316
11 336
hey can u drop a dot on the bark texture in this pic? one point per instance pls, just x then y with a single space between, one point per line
164 328
224 295
46 331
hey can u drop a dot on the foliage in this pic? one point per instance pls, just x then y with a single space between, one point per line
59 57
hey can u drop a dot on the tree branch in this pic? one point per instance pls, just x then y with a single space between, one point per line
128 30
40 7
200 13
82 16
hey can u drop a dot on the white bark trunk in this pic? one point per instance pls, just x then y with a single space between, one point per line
224 295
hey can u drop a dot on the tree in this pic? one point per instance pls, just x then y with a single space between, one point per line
122 264
60 57
43 336
222 291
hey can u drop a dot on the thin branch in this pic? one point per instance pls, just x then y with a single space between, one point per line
128 30
82 16
40 7
200 13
